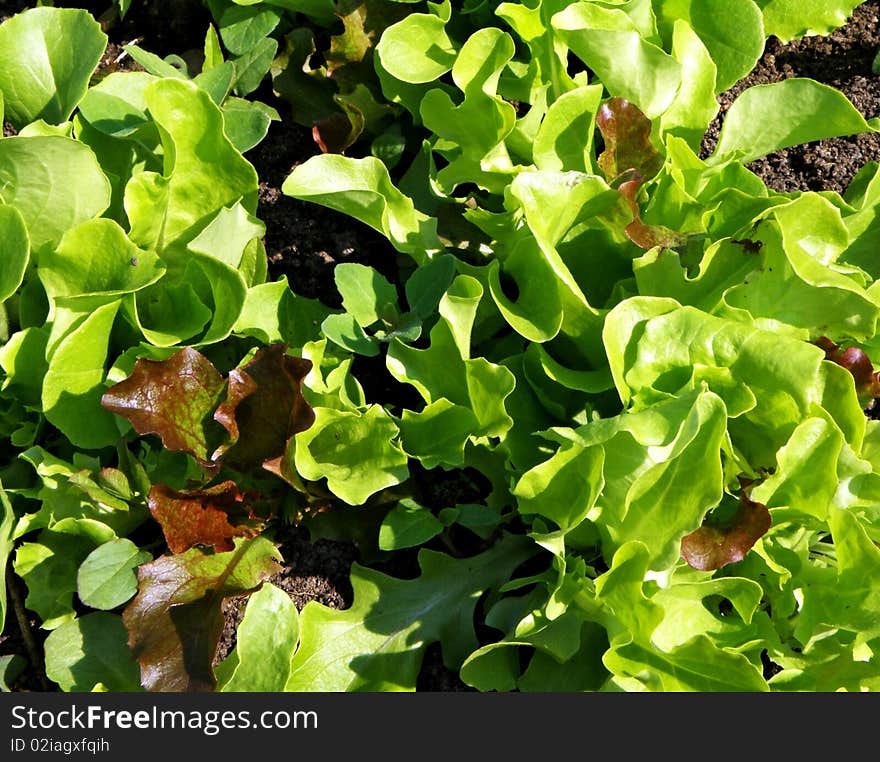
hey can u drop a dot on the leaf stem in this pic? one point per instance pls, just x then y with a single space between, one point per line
24 628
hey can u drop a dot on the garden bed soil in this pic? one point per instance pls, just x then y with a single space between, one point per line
305 242
842 59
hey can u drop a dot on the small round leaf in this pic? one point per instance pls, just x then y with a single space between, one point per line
108 576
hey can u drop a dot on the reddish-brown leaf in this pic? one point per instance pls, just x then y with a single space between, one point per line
264 408
627 134
726 540
210 517
173 398
642 235
857 362
175 620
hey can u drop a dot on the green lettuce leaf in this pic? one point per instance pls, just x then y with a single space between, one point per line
697 664
14 251
7 524
265 642
362 188
358 453
792 19
609 42
47 56
767 118
96 257
107 577
765 399
74 380
89 651
732 31
76 491
203 172
36 178
482 119
635 476
474 384
407 525
117 106
694 106
377 644
48 565
564 140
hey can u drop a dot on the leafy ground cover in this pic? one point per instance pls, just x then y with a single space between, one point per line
385 346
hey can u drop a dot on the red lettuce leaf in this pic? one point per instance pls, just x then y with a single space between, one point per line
264 408
173 398
175 621
642 235
725 539
211 516
627 134
857 362
629 160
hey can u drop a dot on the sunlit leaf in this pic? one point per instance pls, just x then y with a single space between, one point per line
46 58
174 398
107 577
378 643
265 642
212 516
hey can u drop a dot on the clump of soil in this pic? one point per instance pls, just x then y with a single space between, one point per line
842 59
313 571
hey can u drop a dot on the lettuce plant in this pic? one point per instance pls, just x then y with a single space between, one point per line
318 55
661 365
657 368
131 252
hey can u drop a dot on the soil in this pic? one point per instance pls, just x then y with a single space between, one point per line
842 59
305 242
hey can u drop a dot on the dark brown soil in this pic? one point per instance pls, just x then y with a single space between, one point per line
313 571
843 60
305 242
